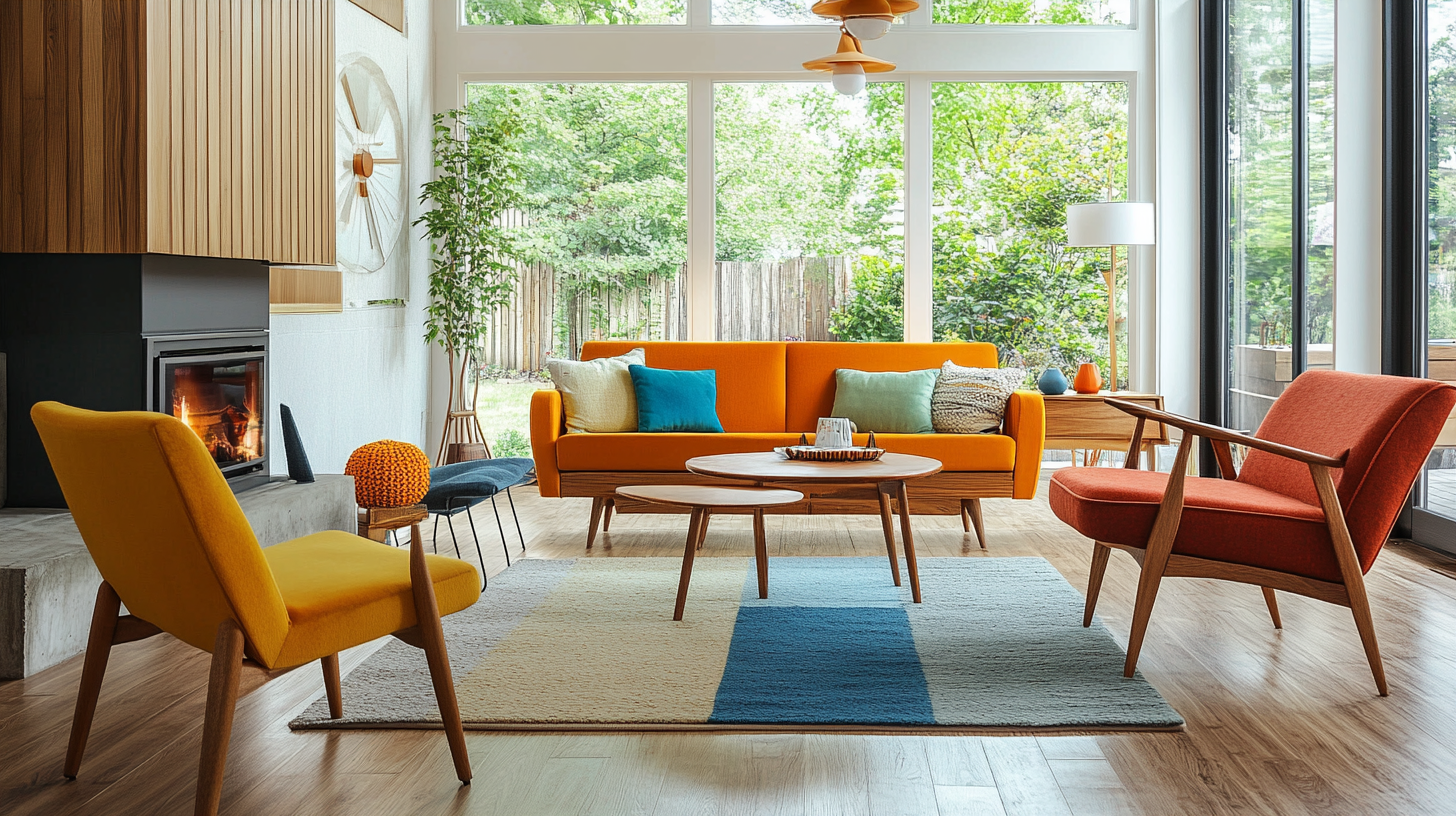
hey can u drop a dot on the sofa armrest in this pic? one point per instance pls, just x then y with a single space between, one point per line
1026 424
546 423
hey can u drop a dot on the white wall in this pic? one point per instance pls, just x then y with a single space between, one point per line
362 375
1359 142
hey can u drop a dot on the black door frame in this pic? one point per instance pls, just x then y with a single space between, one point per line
1403 273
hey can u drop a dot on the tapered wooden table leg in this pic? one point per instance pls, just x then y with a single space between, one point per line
760 553
904 499
689 550
889 524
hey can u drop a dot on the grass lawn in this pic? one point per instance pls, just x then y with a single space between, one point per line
505 405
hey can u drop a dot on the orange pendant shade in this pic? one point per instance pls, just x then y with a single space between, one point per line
849 52
1089 379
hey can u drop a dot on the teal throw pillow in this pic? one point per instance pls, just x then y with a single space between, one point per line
675 401
885 401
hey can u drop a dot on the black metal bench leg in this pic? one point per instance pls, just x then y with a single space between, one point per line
501 530
517 519
470 517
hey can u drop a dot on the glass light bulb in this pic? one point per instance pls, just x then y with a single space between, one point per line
848 78
868 28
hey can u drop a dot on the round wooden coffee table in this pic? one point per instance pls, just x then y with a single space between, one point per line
703 500
887 475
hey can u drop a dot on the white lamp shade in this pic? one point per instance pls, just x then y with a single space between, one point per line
1110 223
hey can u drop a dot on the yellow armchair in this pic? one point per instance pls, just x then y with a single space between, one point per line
172 544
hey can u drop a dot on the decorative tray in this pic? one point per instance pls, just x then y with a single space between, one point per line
809 453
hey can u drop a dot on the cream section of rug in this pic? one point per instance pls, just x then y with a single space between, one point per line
605 649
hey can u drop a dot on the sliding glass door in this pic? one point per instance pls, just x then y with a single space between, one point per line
1278 267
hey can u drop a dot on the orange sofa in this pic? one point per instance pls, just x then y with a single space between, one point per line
768 394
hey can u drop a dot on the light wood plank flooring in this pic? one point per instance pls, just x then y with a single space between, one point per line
1279 722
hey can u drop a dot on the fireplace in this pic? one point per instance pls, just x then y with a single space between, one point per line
217 385
113 332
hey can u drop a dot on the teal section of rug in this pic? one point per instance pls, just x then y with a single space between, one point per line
998 643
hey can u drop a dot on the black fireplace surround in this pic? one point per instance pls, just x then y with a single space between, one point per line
182 335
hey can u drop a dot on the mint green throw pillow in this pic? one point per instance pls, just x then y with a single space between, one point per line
885 401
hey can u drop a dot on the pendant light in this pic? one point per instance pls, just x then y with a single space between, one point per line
865 19
849 65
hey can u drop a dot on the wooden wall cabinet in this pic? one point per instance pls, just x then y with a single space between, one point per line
188 127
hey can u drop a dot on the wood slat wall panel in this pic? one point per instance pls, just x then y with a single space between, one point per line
199 127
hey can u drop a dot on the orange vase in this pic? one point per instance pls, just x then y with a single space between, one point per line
1089 379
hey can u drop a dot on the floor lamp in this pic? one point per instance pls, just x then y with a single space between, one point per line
1110 224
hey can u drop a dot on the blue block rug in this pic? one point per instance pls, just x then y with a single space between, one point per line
997 645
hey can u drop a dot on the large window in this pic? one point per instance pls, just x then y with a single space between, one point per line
1055 12
1008 159
809 211
602 237
1280 166
574 12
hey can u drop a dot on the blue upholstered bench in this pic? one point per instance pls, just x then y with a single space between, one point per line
457 488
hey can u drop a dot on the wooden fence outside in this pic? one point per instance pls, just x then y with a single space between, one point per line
549 316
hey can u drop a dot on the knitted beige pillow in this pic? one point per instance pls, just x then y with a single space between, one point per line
972 400
597 395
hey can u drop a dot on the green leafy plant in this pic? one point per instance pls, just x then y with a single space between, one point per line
511 442
476 154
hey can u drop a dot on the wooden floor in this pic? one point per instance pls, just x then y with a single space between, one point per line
1278 722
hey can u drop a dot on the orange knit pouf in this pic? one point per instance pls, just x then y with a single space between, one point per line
389 474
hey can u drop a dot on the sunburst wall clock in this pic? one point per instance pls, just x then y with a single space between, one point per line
369 170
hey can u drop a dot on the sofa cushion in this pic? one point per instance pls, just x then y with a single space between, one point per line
972 400
884 401
810 370
598 393
675 401
750 376
671 451
1222 519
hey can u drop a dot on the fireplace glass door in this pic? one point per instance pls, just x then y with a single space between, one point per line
220 396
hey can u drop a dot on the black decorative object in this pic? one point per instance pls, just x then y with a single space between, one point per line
298 467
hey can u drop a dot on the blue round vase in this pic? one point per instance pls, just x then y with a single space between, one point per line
1052 382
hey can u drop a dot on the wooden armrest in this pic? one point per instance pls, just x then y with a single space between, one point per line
1214 432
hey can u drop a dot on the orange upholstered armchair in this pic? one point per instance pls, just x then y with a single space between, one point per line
1325 477
172 544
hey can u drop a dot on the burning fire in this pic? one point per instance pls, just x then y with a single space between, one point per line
231 432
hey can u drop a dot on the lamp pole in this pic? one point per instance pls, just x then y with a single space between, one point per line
1111 278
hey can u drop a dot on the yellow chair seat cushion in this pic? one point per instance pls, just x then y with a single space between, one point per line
341 590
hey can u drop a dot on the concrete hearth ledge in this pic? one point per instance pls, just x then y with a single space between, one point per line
48 582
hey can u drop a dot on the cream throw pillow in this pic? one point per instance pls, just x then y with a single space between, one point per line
597 395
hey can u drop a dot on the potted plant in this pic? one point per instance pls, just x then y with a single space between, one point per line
471 267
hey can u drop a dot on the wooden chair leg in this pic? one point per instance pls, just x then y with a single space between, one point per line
1094 580
217 727
760 552
696 521
598 502
1155 558
610 505
976 521
1273 605
332 688
427 615
1350 571
888 522
98 651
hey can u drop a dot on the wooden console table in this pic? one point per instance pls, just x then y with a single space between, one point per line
1086 422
